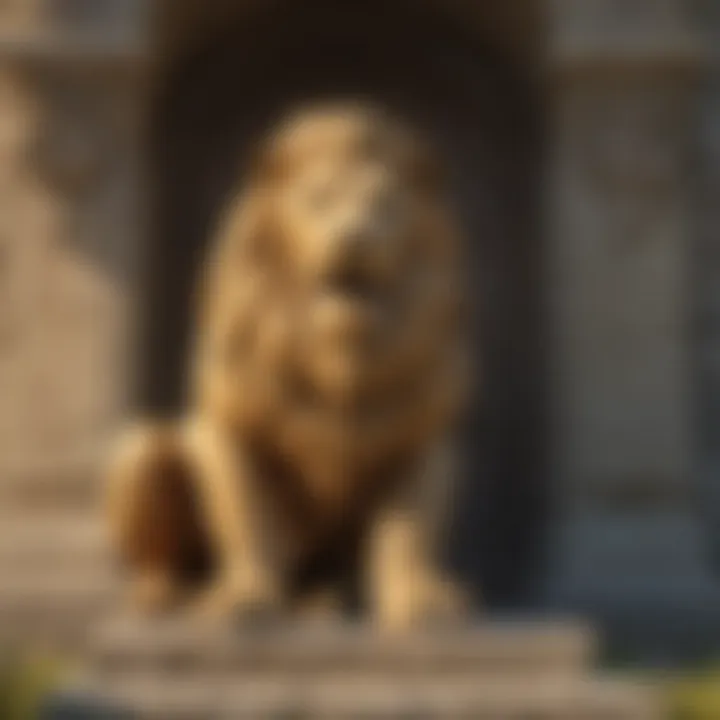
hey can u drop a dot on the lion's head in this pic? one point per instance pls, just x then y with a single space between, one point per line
336 285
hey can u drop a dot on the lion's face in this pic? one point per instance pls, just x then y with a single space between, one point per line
349 207
347 213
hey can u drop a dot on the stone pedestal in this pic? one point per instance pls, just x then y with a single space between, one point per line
500 671
629 544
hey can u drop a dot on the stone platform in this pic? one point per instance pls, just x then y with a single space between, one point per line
501 670
57 574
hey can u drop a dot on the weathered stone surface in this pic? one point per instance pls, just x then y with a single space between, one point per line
30 488
707 294
390 697
620 259
52 542
61 364
500 670
496 648
620 262
602 35
106 19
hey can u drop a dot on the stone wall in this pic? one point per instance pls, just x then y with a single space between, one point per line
71 230
630 546
706 274
71 182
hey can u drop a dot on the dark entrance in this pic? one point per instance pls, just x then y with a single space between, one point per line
483 115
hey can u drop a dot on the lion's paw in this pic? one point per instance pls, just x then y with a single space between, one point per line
249 603
417 603
153 593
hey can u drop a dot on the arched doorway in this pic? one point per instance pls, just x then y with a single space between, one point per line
483 114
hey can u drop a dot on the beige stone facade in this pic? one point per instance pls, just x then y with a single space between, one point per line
572 127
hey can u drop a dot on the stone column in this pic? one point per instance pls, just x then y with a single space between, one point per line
71 101
624 81
707 277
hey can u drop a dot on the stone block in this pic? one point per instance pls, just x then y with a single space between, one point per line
187 649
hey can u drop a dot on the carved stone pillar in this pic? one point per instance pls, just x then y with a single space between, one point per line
707 277
70 224
619 259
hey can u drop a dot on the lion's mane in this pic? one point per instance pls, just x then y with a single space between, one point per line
338 440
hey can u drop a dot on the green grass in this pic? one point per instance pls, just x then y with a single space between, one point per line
695 697
24 683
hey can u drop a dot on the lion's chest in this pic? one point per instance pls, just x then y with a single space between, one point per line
321 487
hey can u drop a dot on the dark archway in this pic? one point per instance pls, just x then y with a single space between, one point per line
484 116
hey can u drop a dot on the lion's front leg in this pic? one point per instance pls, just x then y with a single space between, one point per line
149 518
406 585
249 577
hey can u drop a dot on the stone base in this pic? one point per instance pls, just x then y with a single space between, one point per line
645 579
499 670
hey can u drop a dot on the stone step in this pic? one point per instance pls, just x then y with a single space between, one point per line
47 525
30 586
36 604
60 621
52 541
161 698
57 576
50 485
63 635
190 648
58 561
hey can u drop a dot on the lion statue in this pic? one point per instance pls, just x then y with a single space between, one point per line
329 369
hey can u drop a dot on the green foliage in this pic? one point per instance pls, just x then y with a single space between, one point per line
695 697
23 686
